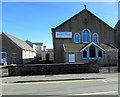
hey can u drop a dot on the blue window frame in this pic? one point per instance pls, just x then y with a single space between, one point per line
77 38
95 38
92 51
84 54
86 36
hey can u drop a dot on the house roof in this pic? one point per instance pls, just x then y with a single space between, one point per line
92 43
79 47
38 43
80 13
73 47
22 44
106 46
50 50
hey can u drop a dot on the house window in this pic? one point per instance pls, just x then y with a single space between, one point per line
3 54
100 53
71 57
77 38
86 36
92 51
13 55
95 37
84 54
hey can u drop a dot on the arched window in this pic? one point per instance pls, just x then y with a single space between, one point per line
84 54
100 53
77 38
92 51
95 38
86 36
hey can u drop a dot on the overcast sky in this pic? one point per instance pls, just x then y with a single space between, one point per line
33 20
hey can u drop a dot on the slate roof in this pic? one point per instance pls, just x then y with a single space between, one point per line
78 47
22 44
106 47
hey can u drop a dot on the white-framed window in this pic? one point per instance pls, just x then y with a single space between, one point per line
71 58
13 55
86 36
3 54
77 37
92 53
95 38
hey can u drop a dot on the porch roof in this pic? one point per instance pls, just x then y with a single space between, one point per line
78 47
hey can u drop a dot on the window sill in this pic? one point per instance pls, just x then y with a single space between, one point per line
92 58
85 42
14 57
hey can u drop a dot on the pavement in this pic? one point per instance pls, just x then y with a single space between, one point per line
62 77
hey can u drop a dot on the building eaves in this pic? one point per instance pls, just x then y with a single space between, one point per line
38 43
69 19
101 20
92 43
80 13
22 44
12 39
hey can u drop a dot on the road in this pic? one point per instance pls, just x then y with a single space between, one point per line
103 85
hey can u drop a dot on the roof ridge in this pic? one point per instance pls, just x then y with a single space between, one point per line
20 43
100 19
80 13
69 18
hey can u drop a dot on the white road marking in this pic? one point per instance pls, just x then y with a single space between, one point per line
109 92
105 81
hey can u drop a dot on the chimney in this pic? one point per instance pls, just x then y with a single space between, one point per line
44 48
85 6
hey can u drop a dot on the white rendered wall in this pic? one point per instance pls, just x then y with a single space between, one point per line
28 54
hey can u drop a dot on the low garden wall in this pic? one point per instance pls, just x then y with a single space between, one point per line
45 69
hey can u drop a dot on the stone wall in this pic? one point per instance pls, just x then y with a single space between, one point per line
52 69
3 71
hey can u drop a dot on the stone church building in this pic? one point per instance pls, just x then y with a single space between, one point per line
84 38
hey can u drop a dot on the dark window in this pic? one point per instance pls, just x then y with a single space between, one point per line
99 53
13 55
3 55
84 54
92 51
